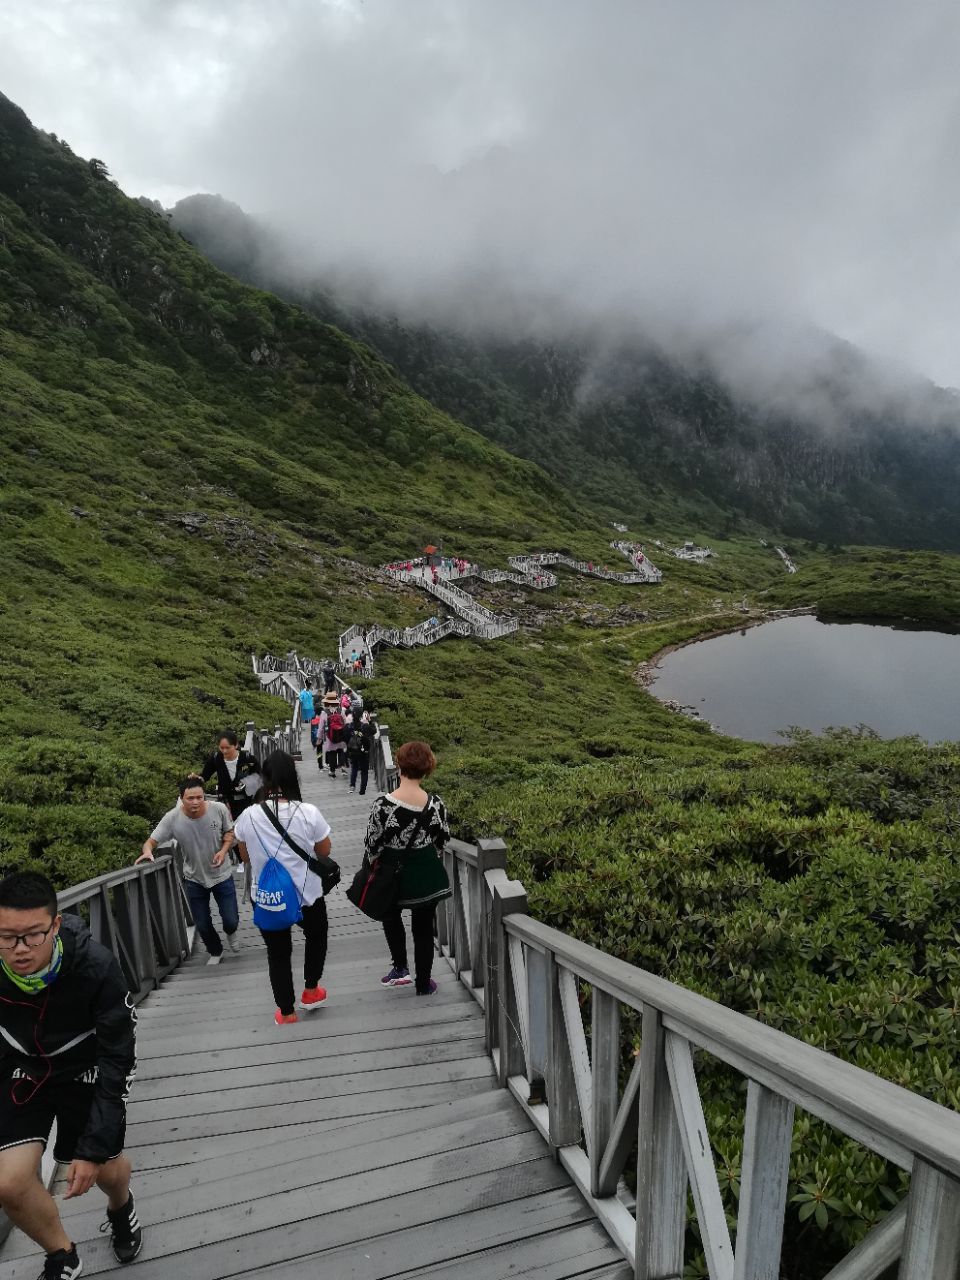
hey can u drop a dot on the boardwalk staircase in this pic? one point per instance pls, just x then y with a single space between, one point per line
470 618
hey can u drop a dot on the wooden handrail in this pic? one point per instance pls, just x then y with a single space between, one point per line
882 1115
535 983
140 914
78 893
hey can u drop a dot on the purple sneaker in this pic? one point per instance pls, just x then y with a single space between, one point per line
396 978
430 991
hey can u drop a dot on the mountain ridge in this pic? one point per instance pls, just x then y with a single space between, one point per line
624 422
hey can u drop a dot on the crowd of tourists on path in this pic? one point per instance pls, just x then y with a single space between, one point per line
68 1020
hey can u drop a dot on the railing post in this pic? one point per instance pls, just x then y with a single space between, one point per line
661 1172
475 906
459 936
605 1065
931 1241
443 914
491 856
561 1085
765 1177
508 899
538 1000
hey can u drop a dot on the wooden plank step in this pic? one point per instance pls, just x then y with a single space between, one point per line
488 1110
232 1240
409 1012
506 1241
266 1117
206 1083
301 1092
294 1168
312 1047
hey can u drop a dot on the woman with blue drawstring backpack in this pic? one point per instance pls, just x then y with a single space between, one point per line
286 840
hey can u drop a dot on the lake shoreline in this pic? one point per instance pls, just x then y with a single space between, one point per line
646 672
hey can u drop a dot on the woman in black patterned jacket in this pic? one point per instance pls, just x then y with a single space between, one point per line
412 827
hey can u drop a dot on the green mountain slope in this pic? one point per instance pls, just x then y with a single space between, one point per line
640 431
187 469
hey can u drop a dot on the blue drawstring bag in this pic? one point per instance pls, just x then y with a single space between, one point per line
276 902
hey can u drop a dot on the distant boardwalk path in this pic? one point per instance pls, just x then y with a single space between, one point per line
368 1141
442 578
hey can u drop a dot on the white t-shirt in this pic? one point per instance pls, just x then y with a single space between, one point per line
231 767
306 825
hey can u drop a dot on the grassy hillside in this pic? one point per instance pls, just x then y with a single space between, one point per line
188 468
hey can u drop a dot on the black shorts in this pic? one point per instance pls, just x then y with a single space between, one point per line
68 1102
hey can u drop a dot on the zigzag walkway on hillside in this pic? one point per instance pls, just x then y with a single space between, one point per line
369 1140
473 618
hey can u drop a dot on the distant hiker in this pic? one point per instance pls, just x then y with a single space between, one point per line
368 663
238 778
262 842
329 676
359 742
203 830
345 702
331 734
69 1032
353 657
315 726
410 827
306 705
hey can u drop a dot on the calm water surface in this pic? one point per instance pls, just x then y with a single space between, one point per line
756 682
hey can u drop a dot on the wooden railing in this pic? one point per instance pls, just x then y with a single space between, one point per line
140 914
536 983
385 773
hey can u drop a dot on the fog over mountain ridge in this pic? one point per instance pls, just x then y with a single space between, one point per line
777 365
697 170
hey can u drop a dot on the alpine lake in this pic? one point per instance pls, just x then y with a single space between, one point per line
798 671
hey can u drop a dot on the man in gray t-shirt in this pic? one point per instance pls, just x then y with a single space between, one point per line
203 830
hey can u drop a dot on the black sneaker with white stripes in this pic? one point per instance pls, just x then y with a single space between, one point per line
62 1265
126 1235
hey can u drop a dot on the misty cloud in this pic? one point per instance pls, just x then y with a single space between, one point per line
684 166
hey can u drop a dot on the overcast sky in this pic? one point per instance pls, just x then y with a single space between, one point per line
685 160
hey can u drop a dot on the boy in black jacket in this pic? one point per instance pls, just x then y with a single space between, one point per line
67 1053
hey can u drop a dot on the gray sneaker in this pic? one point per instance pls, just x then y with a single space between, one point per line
232 943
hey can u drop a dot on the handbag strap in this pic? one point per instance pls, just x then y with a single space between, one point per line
312 863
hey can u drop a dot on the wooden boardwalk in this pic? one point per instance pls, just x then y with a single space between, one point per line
368 1141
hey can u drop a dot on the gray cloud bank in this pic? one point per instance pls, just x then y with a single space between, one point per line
787 169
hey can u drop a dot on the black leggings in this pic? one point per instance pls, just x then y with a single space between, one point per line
421 926
280 951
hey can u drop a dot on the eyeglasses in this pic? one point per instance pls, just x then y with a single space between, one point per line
35 938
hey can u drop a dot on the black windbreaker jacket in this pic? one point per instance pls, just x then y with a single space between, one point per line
82 1025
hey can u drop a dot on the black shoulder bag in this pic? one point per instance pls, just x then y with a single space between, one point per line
325 868
375 888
